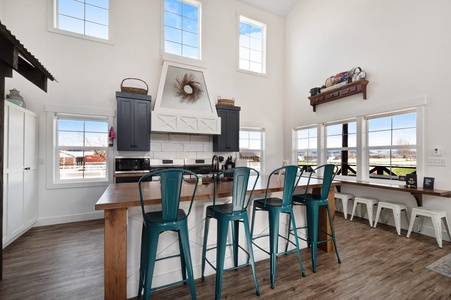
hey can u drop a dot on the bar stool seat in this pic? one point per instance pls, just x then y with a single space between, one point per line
345 198
436 216
369 202
397 208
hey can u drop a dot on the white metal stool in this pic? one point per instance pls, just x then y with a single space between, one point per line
436 216
345 198
397 208
369 202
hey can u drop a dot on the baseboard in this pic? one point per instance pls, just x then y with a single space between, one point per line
68 218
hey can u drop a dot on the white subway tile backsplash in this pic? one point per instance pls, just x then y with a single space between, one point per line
171 146
201 138
155 147
159 137
193 147
178 138
174 147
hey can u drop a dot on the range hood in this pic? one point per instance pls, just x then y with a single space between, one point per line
183 104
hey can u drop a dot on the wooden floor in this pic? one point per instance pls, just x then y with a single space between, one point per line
66 262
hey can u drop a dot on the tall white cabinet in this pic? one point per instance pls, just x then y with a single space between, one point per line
20 207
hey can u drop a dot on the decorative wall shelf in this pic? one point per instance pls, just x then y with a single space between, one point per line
352 88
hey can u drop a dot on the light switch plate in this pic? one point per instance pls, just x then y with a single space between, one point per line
437 162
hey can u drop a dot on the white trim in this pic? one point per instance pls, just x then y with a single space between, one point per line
52 109
69 218
79 110
51 24
180 58
263 26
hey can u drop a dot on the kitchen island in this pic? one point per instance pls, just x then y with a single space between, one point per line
120 198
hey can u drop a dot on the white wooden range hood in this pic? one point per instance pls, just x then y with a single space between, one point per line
183 104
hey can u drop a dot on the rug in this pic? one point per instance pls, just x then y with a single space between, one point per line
442 266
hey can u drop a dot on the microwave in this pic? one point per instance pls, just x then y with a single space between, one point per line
131 164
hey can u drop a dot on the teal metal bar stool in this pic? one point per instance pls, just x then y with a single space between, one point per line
170 218
236 213
276 206
313 203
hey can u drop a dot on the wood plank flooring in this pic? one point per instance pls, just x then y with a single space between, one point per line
66 262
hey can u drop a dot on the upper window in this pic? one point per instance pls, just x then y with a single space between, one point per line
81 148
251 147
392 145
182 34
252 43
341 143
306 147
85 17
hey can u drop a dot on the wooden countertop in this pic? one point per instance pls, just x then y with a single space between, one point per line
123 195
416 193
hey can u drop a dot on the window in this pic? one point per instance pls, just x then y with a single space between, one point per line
392 145
341 143
85 17
251 147
252 45
306 148
81 148
182 34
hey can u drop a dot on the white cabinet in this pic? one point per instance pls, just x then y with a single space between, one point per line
20 169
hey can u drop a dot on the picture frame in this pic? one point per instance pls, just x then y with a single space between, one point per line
411 181
428 182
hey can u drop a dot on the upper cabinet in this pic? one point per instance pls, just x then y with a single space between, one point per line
229 139
133 122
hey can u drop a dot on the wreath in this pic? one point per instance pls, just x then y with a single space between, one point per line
188 88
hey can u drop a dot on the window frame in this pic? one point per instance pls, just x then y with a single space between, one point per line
262 143
52 23
58 148
53 181
176 57
392 146
342 148
296 142
362 140
264 27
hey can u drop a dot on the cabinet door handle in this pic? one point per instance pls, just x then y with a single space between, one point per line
27 168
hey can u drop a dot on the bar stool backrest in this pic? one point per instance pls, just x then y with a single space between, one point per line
291 179
240 186
327 172
170 187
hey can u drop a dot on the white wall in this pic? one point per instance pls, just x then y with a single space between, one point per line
89 73
403 46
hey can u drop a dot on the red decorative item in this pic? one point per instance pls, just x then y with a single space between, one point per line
111 137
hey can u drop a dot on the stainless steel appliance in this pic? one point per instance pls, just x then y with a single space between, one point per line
198 166
130 169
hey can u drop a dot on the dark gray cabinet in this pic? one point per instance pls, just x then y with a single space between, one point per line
229 139
133 122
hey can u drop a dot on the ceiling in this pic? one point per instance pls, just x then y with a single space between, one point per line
278 7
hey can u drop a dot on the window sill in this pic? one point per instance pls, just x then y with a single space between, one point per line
80 36
252 73
72 185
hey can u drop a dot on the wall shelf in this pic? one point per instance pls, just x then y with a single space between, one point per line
352 88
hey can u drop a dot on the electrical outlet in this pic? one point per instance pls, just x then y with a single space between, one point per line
436 151
437 162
